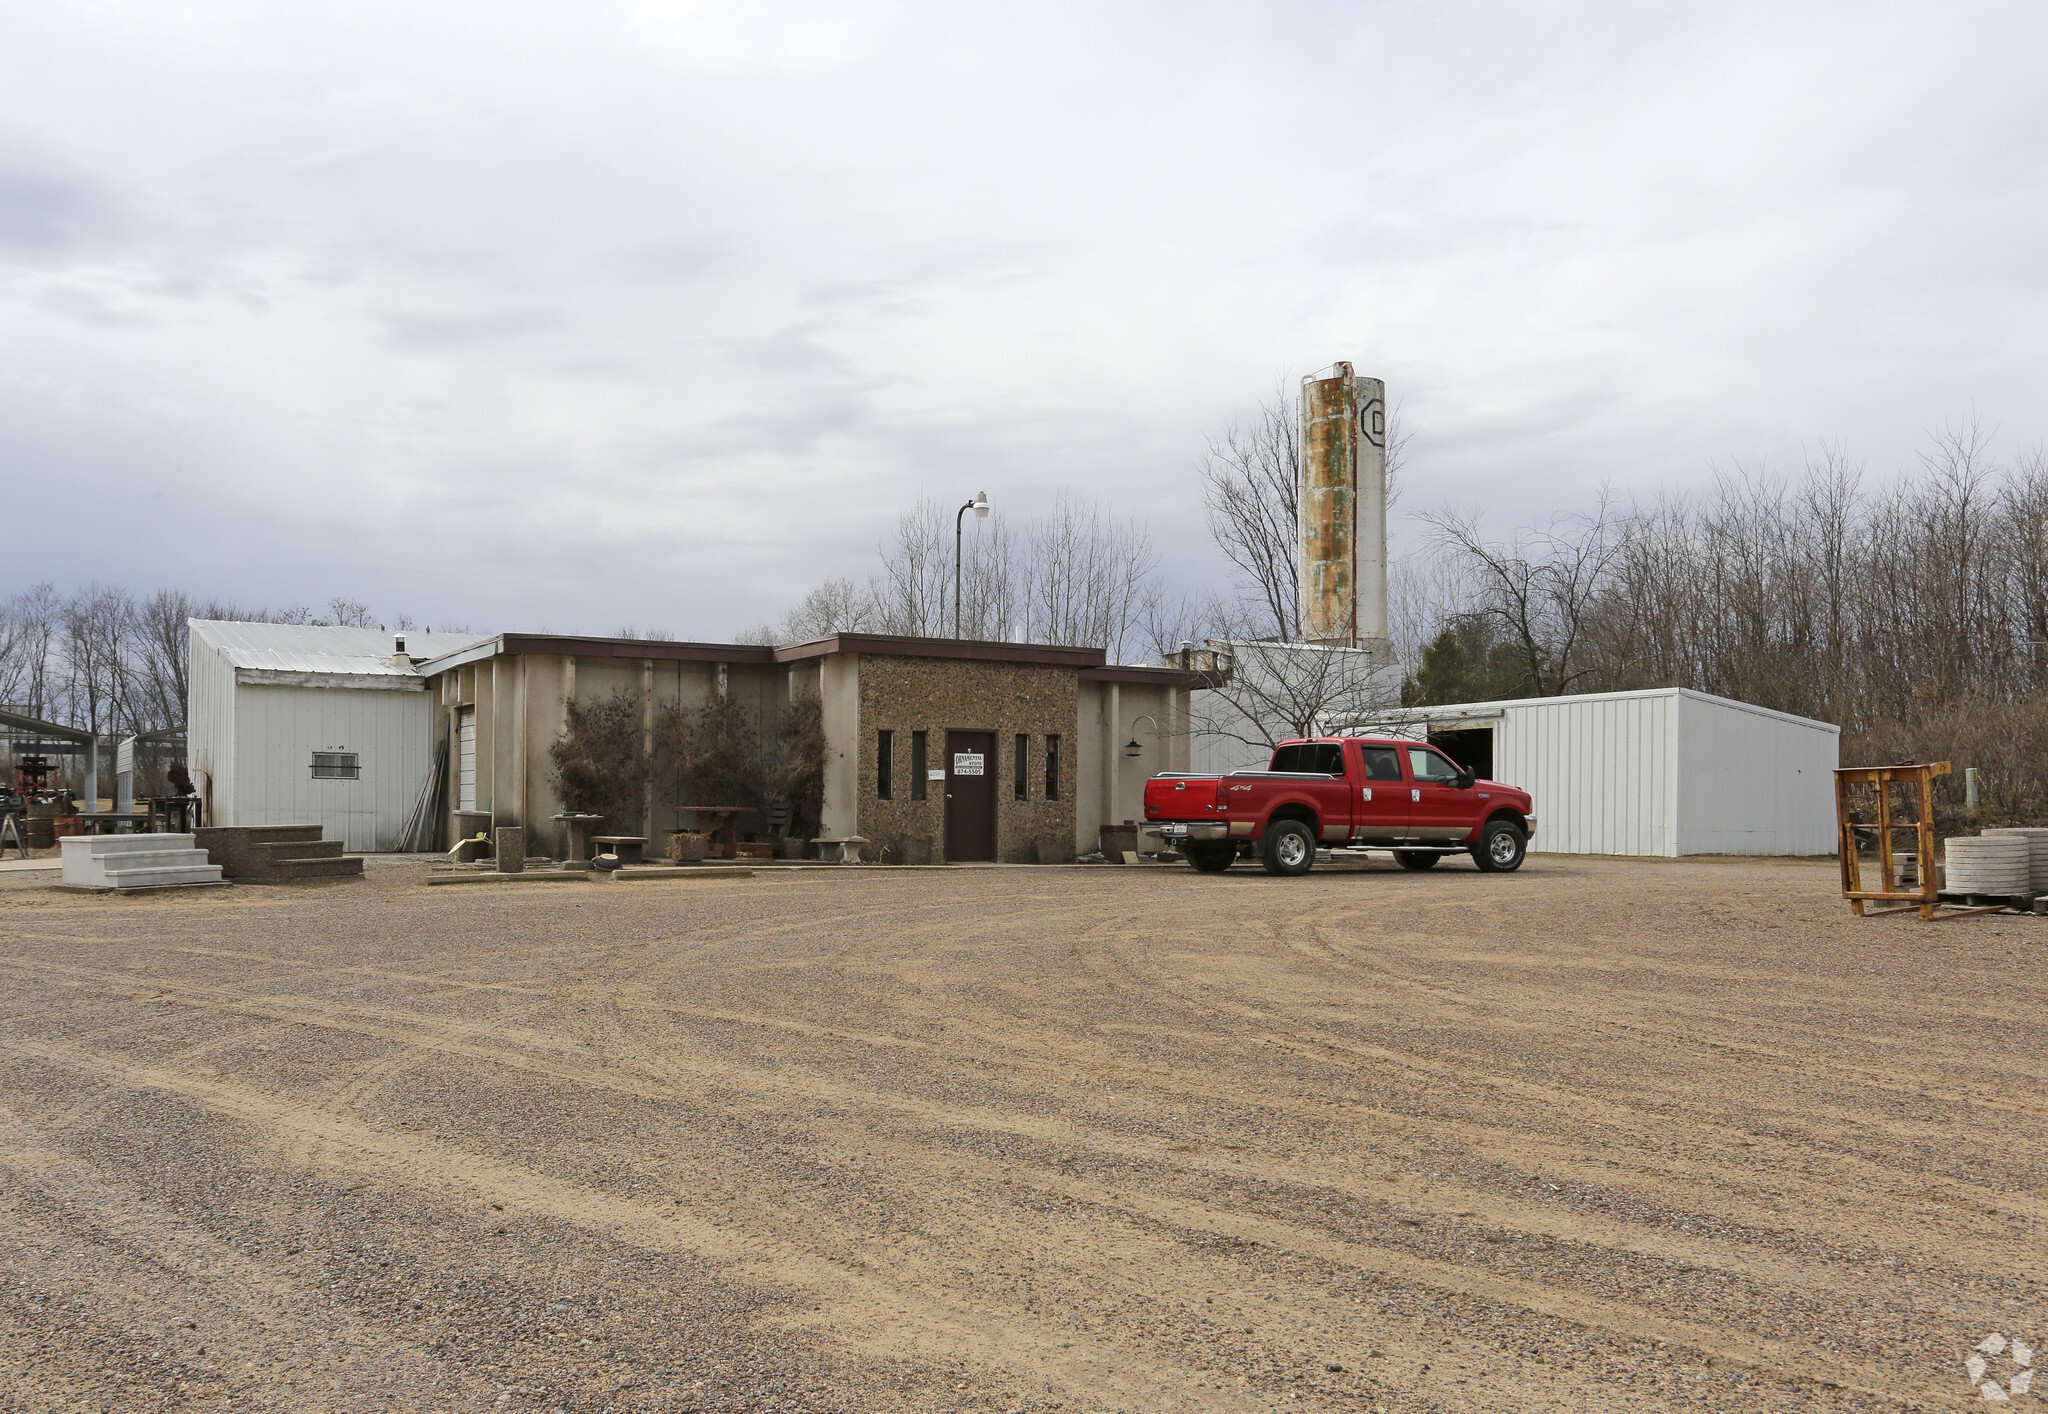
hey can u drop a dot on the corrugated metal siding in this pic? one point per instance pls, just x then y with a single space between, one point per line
1597 768
278 729
1667 772
210 723
1754 782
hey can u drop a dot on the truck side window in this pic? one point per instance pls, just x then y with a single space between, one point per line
1290 758
1382 763
1329 759
1428 766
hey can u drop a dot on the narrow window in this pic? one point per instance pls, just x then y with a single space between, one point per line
336 766
1052 768
465 758
1023 767
917 771
885 765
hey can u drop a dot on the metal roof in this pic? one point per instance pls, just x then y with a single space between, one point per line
323 648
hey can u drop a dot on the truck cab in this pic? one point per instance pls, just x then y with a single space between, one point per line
1343 793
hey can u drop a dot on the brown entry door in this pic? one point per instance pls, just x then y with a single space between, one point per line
970 796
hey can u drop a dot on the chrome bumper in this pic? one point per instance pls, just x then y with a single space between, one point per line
1184 830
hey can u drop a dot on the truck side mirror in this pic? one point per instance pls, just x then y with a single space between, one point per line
1466 779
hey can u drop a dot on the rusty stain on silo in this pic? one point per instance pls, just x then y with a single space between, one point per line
1328 508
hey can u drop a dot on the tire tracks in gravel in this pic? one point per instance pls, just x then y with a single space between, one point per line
891 1320
674 1078
147 1264
1462 1203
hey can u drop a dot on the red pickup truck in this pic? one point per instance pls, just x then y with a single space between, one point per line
1342 793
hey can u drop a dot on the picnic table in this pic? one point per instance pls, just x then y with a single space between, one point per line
720 823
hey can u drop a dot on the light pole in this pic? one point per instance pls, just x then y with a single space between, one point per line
979 505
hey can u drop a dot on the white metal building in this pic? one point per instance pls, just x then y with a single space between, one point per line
294 724
1667 771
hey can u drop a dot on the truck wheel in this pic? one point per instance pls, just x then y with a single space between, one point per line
1212 858
1501 848
1416 858
1289 848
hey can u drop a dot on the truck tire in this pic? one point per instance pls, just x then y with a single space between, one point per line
1212 858
1288 848
1501 849
1416 858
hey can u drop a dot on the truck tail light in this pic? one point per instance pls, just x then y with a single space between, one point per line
1222 795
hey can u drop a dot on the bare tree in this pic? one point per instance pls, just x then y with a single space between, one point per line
1088 577
350 613
98 623
1540 585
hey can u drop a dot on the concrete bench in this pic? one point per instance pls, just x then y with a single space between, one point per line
629 849
843 850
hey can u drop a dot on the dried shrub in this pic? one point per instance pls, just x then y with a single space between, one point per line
2007 741
600 760
708 755
799 773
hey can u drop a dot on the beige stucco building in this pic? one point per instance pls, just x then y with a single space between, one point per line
938 750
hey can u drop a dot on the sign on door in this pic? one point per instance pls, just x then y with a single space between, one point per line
967 763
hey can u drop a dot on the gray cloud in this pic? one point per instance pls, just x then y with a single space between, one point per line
644 302
48 211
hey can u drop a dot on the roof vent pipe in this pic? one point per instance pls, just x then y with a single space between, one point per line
398 654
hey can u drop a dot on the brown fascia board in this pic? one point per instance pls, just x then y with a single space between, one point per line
888 644
900 646
1138 676
571 646
559 645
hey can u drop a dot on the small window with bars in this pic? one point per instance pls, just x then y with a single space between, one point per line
885 764
337 766
1022 783
917 766
1052 767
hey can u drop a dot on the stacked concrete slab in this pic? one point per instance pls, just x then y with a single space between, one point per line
277 854
113 862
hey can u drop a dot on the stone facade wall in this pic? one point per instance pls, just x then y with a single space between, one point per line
936 695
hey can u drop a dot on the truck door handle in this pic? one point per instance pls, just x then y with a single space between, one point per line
1414 795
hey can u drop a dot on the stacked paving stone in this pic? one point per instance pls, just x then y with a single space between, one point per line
112 862
1988 864
2037 844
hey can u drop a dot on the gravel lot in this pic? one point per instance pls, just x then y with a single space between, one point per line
1627 1135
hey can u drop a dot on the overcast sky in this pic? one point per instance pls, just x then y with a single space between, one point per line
577 315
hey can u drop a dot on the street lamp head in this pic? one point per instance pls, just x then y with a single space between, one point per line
1131 748
980 504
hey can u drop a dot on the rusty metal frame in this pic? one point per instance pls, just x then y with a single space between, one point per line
1926 898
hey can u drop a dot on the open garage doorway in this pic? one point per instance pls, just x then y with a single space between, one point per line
1470 747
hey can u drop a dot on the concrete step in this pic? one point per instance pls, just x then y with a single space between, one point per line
134 861
107 846
272 851
331 867
272 834
156 878
153 859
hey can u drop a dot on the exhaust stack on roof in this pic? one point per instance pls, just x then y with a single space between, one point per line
1342 512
